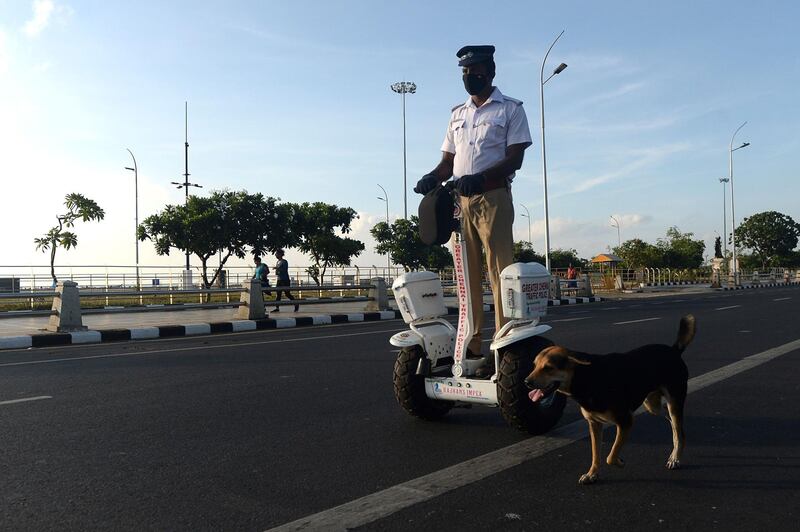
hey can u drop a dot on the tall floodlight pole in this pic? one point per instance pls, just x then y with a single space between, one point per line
135 171
402 88
724 181
616 224
185 185
528 216
731 149
385 198
560 68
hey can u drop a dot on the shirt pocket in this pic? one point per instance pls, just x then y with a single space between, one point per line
457 130
492 131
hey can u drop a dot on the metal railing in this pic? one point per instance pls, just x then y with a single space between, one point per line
34 298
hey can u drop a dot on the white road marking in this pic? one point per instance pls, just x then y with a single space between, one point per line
726 308
635 321
196 348
386 502
611 308
25 400
782 299
572 319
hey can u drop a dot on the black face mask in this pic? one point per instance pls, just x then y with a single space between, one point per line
475 83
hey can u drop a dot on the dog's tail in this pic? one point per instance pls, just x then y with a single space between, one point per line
686 332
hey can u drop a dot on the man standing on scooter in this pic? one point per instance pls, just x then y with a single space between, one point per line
484 146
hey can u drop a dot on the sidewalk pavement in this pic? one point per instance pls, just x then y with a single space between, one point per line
30 331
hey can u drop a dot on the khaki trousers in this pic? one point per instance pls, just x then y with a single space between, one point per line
487 224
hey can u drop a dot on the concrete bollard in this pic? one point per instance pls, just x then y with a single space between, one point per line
555 287
66 309
252 307
379 295
716 279
586 289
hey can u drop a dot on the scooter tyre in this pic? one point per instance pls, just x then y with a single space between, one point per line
516 363
409 388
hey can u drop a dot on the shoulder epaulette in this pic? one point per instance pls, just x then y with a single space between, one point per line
518 102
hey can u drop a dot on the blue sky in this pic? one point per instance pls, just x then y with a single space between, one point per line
293 100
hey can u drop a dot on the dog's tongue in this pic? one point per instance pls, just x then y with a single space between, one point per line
535 395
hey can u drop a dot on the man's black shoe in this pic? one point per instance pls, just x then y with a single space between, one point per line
276 309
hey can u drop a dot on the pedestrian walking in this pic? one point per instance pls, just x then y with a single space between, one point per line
282 273
261 273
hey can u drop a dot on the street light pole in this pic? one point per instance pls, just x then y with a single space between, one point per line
542 81
616 224
403 87
135 171
185 185
385 198
528 216
731 149
724 181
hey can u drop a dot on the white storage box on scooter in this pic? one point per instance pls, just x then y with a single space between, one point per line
429 375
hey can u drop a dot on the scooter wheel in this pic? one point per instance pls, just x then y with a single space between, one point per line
409 388
516 363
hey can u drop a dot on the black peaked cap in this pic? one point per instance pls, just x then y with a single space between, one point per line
469 55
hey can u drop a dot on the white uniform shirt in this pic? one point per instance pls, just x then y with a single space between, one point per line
478 136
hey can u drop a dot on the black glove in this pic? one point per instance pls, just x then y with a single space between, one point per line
426 184
470 185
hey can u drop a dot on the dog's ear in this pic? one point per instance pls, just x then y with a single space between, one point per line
579 361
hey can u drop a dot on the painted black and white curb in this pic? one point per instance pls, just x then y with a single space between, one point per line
675 283
191 329
489 307
197 329
760 285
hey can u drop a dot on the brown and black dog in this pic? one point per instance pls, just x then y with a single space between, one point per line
609 388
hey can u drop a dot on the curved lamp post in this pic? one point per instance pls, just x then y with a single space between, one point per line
403 88
560 68
528 216
385 198
616 224
135 171
731 149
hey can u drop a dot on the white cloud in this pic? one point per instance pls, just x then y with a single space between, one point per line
4 58
42 10
616 93
641 159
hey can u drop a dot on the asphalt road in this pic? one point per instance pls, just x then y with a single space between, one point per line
254 430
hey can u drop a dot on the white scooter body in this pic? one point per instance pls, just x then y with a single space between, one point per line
526 290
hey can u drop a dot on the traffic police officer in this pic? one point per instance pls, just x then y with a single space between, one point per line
484 146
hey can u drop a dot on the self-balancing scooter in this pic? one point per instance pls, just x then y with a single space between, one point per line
432 373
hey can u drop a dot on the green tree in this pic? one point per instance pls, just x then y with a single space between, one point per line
680 250
79 207
523 252
562 258
226 222
639 254
315 230
401 241
770 235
